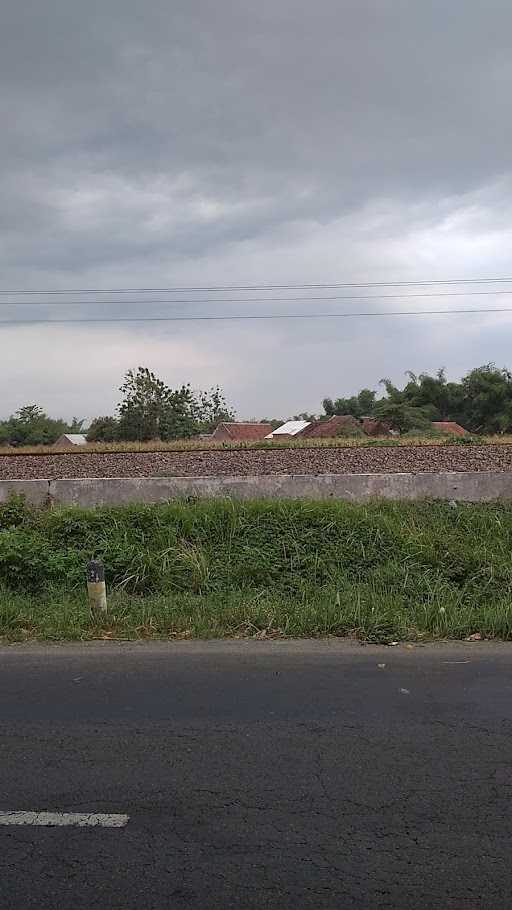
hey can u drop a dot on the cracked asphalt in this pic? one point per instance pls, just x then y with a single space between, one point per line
258 775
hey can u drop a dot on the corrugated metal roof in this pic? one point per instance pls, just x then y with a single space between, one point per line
76 439
290 428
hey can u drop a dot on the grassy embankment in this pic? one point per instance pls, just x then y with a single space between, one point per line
377 571
186 445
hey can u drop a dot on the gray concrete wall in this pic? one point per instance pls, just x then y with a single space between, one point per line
482 486
35 491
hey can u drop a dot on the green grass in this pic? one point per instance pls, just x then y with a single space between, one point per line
209 568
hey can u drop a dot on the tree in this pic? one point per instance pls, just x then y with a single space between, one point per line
31 426
360 405
76 425
394 394
151 410
103 429
366 402
145 401
212 409
401 416
179 419
445 399
487 399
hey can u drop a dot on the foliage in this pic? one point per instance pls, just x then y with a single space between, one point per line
103 429
14 512
488 399
360 405
151 410
211 409
401 416
377 570
481 402
31 426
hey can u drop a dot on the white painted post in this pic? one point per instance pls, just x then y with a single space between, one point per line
96 589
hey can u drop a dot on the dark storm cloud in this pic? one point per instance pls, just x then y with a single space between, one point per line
373 95
234 141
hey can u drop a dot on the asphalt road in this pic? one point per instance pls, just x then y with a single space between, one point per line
258 775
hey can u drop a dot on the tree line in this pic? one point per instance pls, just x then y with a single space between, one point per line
481 401
149 409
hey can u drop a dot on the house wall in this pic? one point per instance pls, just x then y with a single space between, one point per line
220 433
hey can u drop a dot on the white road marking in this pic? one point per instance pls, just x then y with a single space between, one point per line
60 819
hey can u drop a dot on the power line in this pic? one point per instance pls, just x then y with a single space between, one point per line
252 299
258 287
256 316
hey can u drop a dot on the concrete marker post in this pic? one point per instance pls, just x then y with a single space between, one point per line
96 589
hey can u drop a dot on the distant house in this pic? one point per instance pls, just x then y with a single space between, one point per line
289 430
372 426
449 428
68 440
339 425
241 432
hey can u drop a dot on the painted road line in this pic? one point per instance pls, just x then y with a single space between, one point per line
64 819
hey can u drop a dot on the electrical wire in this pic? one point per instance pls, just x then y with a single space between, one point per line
258 287
251 299
220 318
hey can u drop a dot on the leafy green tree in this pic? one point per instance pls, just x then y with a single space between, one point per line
151 410
145 399
360 405
445 399
401 416
395 395
481 402
31 426
211 408
180 418
103 429
487 404
366 402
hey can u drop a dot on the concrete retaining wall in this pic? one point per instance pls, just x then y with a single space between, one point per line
35 491
468 486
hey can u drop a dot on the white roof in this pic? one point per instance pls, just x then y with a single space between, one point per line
290 428
77 439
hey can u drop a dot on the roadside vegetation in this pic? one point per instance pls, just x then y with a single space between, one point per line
202 568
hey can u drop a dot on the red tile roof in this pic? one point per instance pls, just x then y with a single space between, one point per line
372 426
341 425
449 426
239 432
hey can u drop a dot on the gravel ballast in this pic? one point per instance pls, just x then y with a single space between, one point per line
353 460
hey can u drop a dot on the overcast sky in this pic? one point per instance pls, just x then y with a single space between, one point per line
234 142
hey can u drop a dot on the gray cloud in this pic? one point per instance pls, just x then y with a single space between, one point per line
235 142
